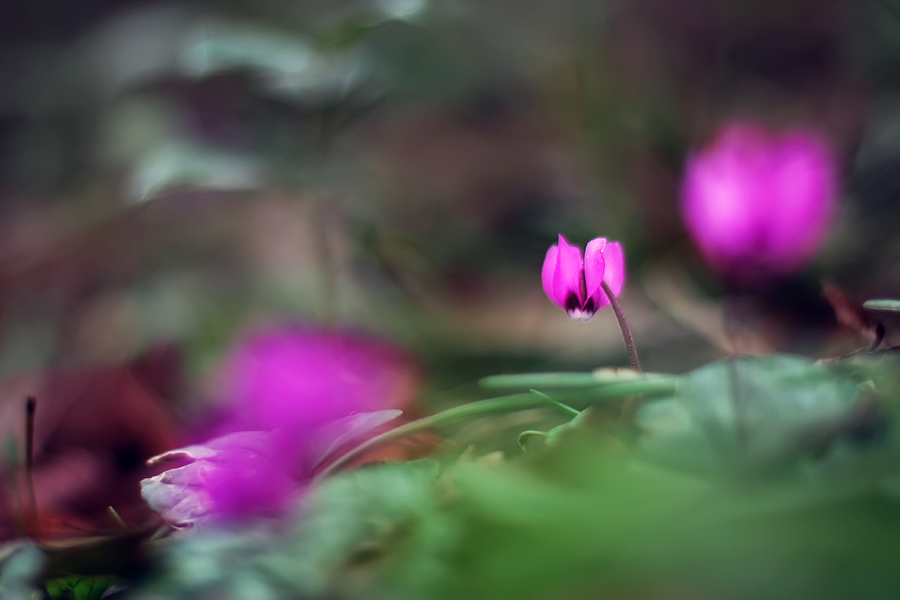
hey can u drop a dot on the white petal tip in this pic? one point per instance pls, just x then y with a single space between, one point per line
580 315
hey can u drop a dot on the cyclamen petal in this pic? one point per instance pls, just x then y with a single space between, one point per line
548 272
614 274
594 270
568 280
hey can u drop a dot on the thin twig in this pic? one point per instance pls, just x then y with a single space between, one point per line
30 408
118 518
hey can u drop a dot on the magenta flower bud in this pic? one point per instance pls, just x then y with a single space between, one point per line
757 202
573 282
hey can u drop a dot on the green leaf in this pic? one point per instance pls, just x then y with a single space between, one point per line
671 436
76 587
752 411
561 381
649 388
888 305
539 380
562 430
346 33
360 529
173 165
351 536
285 66
527 435
585 520
515 497
617 375
564 409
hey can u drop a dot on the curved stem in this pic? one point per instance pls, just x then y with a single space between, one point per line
482 407
623 325
648 387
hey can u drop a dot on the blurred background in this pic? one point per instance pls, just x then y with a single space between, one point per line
175 174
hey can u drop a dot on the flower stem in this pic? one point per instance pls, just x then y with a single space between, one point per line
660 386
483 407
623 325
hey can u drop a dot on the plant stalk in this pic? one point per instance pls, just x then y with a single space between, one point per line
648 387
623 325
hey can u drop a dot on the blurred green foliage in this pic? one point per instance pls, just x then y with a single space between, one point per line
769 483
79 588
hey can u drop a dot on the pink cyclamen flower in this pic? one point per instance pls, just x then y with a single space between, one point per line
759 202
574 283
296 397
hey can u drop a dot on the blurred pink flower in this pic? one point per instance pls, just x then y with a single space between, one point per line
297 378
757 202
297 396
248 473
573 282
